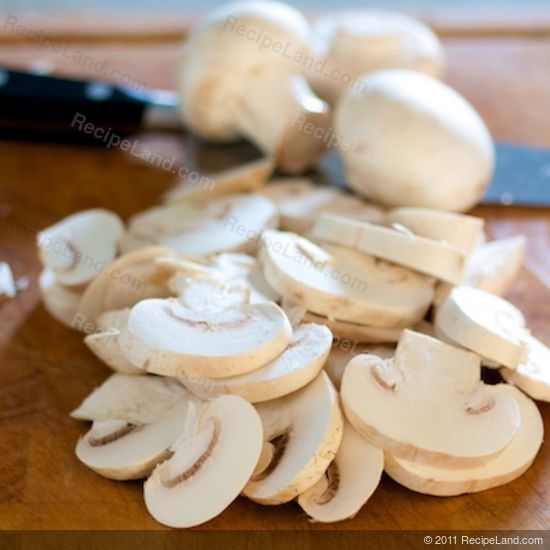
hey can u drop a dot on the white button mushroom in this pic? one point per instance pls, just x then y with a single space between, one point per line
353 43
415 142
246 56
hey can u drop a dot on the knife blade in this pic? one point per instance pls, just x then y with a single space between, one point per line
42 106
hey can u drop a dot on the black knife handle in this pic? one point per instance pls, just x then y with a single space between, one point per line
32 105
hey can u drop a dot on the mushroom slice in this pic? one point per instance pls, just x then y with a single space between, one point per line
209 468
250 177
344 284
350 480
483 323
400 246
133 399
533 375
229 223
512 462
120 450
300 363
304 429
7 284
299 202
494 266
165 337
104 344
343 352
204 293
458 230
79 247
428 404
60 301
129 279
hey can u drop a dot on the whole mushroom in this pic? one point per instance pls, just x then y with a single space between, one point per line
241 75
352 43
407 139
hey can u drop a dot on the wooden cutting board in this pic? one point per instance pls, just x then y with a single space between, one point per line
45 370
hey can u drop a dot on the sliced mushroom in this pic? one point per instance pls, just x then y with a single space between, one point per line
342 283
397 245
494 266
227 80
428 404
60 301
120 450
350 480
209 468
80 246
165 337
104 344
343 352
228 223
392 118
299 202
457 230
354 43
304 430
249 177
533 375
483 323
136 400
512 462
129 279
294 368
7 284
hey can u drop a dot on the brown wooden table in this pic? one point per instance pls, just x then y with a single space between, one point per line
45 370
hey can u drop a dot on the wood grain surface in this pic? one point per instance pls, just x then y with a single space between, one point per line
45 369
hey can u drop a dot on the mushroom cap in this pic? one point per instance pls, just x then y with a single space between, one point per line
299 202
484 323
134 399
428 404
350 480
219 61
393 119
361 41
457 230
343 283
533 375
80 246
397 245
513 461
305 429
209 468
118 450
164 337
227 223
60 301
297 365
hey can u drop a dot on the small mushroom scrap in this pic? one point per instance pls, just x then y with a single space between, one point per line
302 433
342 283
299 202
200 228
354 43
398 245
80 246
393 117
299 363
7 284
428 404
165 337
512 462
227 79
209 466
349 481
484 323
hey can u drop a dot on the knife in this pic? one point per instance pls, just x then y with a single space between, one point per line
37 106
